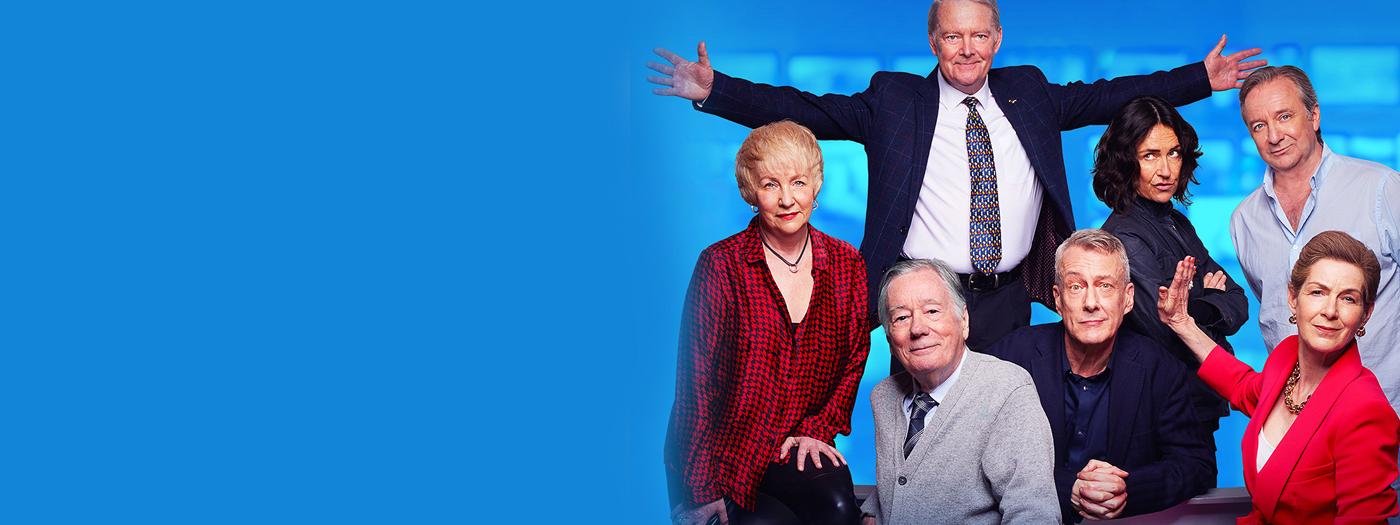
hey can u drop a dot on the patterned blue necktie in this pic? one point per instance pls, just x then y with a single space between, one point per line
922 404
984 225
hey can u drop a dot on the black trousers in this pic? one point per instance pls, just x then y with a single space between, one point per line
992 314
821 496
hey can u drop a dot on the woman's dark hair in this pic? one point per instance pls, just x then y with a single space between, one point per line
1116 170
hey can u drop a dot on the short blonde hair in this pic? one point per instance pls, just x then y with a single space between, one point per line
784 143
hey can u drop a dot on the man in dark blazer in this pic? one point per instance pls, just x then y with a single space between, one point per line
965 164
1126 437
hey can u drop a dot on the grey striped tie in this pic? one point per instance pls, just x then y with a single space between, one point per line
922 404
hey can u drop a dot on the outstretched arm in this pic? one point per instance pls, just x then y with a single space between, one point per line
830 117
1079 104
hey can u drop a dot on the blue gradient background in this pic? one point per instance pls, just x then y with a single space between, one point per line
685 158
308 262
421 262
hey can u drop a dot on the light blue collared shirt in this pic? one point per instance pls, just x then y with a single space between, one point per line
1359 197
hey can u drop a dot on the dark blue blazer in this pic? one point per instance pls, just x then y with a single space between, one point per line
1152 428
894 119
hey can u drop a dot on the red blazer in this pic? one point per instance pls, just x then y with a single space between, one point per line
1336 463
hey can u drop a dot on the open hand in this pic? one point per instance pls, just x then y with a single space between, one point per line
1228 72
814 448
683 78
1171 301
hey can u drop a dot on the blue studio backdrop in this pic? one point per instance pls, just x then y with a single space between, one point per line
684 159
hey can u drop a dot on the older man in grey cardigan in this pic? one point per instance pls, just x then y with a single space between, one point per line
960 437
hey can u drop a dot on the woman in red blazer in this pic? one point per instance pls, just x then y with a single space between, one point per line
1321 442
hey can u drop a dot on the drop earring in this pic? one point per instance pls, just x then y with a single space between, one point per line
1292 319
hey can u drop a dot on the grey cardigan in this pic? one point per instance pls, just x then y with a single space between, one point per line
986 455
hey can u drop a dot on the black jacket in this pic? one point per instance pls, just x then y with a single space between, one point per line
1153 434
1156 237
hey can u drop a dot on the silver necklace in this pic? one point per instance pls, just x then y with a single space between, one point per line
792 266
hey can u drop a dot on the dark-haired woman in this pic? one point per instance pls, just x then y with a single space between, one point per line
1144 160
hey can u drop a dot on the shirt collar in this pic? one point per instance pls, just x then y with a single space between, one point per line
949 97
754 249
1108 367
941 391
1313 182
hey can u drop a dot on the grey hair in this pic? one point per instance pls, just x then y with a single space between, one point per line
933 14
950 281
1293 74
1092 239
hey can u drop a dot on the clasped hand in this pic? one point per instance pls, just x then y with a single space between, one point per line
1100 492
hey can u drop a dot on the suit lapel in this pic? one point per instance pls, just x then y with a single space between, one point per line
1048 370
1005 93
925 120
1266 489
1124 399
1272 479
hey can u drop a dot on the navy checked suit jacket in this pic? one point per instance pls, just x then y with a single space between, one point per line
1152 432
894 119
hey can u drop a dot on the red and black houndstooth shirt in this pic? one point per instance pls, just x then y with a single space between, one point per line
745 382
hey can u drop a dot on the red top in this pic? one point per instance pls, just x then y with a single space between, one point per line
745 382
1336 463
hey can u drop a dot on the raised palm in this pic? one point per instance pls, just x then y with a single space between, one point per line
1172 300
683 78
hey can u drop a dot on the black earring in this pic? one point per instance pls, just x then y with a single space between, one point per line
1292 319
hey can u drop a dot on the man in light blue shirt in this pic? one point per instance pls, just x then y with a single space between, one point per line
1309 189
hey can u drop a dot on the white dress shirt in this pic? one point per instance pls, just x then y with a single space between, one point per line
938 392
941 216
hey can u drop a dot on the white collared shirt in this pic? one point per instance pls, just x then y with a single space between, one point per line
938 392
941 215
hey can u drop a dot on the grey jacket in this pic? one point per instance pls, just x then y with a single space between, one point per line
986 455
